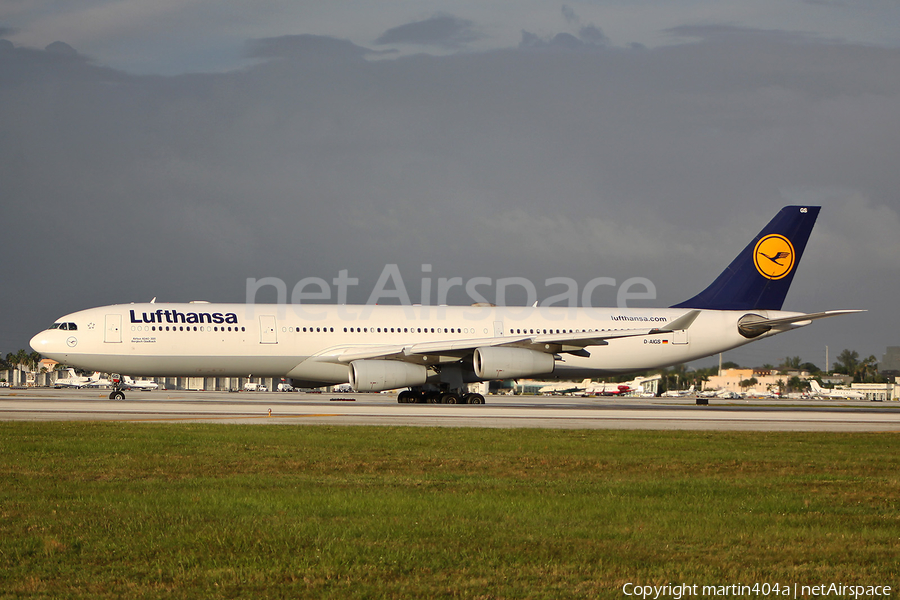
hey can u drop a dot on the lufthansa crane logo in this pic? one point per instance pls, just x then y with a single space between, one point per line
774 256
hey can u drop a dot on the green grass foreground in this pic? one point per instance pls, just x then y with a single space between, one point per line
111 510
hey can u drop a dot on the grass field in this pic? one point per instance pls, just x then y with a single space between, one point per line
105 510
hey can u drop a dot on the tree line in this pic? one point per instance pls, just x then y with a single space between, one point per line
848 362
20 359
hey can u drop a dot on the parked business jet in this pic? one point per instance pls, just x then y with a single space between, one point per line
614 389
820 392
563 388
96 380
679 393
71 380
436 350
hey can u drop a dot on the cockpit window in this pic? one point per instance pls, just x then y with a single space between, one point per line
65 326
57 326
73 327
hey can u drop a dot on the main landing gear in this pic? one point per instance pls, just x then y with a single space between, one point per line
438 397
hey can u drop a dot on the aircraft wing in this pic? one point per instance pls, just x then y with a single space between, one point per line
452 350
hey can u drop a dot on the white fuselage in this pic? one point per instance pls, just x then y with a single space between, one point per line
305 341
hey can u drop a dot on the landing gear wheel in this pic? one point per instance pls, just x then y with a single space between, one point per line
475 399
116 395
450 398
433 397
406 397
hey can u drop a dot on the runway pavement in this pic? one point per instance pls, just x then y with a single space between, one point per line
42 404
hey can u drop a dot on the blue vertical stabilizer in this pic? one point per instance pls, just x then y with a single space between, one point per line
760 276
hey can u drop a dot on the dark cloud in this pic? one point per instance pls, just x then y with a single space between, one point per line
62 49
588 36
441 30
306 47
654 163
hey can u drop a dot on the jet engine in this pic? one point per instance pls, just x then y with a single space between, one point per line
509 363
379 375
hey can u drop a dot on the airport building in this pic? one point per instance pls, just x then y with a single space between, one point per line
729 380
890 362
766 381
879 392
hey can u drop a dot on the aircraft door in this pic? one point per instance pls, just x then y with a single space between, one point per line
498 328
267 331
680 337
113 331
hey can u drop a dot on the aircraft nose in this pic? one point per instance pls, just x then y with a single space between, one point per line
38 342
46 344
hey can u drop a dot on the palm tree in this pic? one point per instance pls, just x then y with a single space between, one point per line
867 369
21 358
34 359
847 362
790 363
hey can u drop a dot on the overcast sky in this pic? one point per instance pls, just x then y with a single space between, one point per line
173 149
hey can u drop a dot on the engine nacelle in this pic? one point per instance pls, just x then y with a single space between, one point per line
380 375
509 363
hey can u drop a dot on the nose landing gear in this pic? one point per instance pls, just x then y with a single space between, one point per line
117 393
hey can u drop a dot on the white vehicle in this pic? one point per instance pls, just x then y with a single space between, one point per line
138 384
820 392
437 350
255 387
285 387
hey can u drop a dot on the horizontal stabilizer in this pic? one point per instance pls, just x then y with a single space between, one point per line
754 325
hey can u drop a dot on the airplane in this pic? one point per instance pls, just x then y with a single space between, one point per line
566 387
819 391
97 381
614 389
71 380
139 384
435 351
724 394
678 393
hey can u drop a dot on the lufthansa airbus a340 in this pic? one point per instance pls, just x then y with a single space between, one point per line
434 351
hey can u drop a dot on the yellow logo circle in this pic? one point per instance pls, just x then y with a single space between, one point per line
774 256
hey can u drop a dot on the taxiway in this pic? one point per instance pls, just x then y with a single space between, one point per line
42 404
